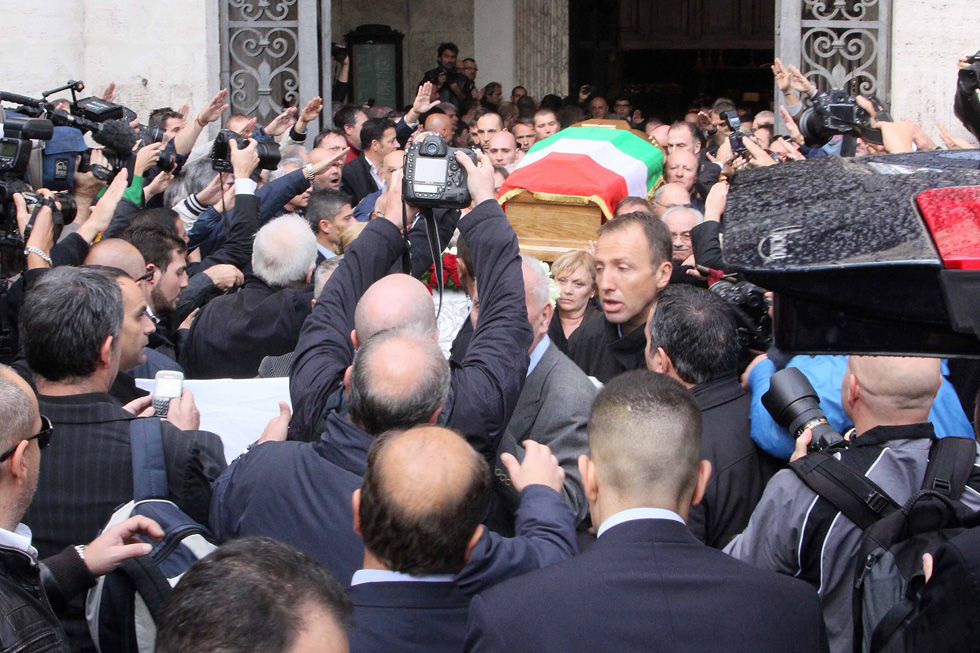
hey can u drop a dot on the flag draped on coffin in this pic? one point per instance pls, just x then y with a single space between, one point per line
587 164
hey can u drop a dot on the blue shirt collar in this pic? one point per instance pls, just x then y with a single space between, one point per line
387 576
637 513
538 353
326 252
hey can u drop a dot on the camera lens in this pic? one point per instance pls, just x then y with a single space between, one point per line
431 148
794 405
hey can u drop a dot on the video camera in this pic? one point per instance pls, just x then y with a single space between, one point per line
836 113
221 152
734 124
434 177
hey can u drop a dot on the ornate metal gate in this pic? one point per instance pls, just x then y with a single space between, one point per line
837 43
275 54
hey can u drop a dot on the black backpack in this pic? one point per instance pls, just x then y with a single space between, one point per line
121 609
888 574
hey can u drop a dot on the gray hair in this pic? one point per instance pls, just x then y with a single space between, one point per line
540 278
375 402
284 251
698 216
293 156
322 273
64 325
17 411
191 181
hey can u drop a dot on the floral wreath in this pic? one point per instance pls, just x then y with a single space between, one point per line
450 276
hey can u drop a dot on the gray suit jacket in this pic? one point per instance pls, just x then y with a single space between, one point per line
553 409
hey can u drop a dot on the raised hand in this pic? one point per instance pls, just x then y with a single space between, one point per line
539 467
213 110
281 123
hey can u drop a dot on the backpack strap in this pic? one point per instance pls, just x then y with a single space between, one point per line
853 493
149 462
951 462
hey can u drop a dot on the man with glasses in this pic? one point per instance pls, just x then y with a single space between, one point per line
680 220
73 321
670 196
29 589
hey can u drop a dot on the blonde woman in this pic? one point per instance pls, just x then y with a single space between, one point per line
575 274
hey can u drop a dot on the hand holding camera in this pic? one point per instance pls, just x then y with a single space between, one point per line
147 157
436 175
243 160
479 178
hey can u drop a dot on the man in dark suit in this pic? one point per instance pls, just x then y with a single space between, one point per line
632 256
329 213
72 322
553 408
234 332
418 511
363 175
647 584
693 338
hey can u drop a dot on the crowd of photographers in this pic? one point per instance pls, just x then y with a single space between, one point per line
603 463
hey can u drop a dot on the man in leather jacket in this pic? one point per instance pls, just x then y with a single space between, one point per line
30 590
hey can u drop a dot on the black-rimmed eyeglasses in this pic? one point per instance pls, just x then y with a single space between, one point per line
43 438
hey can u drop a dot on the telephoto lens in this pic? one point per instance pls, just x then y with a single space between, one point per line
794 405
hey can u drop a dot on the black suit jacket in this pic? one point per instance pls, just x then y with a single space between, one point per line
648 585
408 616
599 351
233 333
739 469
357 181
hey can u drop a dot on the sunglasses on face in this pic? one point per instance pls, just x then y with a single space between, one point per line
43 438
147 276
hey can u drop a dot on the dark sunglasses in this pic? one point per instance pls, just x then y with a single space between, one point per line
43 438
147 276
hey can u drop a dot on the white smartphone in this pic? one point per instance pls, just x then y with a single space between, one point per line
168 385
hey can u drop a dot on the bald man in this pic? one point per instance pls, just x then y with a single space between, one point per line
117 253
418 511
439 123
670 196
681 167
488 382
888 399
646 579
503 149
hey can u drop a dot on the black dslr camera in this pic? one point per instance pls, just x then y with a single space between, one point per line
793 404
221 152
835 113
735 126
433 176
751 312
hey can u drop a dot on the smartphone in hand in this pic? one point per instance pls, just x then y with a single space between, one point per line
168 385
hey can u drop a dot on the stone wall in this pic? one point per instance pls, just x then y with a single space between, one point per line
927 38
425 24
157 53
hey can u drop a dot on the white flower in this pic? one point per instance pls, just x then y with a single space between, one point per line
553 290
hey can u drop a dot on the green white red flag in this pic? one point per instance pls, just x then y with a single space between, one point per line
599 165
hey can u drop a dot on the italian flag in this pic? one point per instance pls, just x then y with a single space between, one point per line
599 165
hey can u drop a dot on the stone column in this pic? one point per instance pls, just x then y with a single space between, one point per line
541 46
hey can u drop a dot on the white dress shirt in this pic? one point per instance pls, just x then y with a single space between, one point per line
634 514
387 576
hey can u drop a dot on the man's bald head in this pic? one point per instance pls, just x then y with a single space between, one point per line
645 438
894 388
681 167
439 123
394 301
18 408
502 149
670 196
422 499
399 379
117 253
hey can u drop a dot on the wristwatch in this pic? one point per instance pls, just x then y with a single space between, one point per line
309 172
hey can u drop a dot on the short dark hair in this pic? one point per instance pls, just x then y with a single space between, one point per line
374 129
697 329
721 105
432 541
159 117
346 116
517 87
551 101
330 131
469 59
659 240
543 110
526 106
69 314
448 45
645 431
633 199
481 113
155 242
251 595
377 412
324 205
491 87
691 128
166 218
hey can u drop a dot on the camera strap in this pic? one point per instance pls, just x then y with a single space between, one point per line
435 248
47 201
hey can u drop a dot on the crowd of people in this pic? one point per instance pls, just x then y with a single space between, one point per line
591 468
